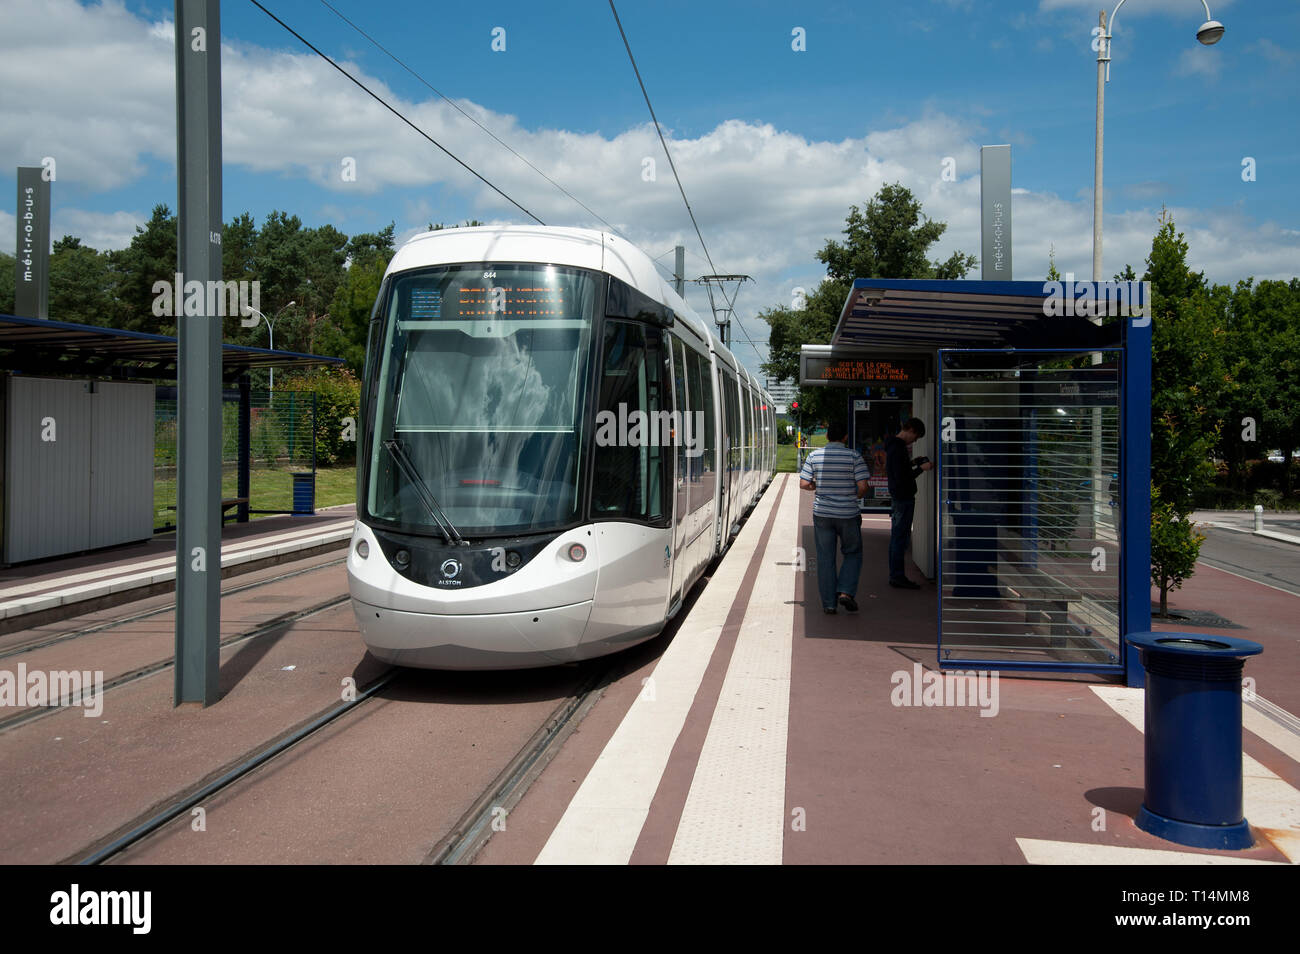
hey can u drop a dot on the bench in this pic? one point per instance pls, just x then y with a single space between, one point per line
226 504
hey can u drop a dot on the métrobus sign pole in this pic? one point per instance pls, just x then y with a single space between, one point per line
32 266
198 232
995 213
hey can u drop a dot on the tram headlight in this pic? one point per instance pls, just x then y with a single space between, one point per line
363 549
577 553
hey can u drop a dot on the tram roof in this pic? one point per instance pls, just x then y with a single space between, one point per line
556 245
62 348
923 315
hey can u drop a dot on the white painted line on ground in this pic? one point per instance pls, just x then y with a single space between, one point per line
1275 535
236 546
735 812
1040 852
1270 802
1268 730
165 570
604 819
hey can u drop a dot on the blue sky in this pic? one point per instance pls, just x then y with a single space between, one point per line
773 144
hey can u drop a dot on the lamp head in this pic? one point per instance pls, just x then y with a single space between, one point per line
1210 33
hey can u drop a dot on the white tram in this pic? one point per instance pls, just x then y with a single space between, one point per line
554 448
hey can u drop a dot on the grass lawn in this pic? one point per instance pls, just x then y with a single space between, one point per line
786 454
269 489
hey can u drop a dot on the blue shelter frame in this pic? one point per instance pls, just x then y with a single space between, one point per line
1011 325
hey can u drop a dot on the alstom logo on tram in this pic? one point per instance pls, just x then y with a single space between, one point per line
543 415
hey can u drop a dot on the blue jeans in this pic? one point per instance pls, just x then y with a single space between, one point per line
847 532
900 535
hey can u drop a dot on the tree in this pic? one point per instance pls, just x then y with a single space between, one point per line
1260 342
1186 372
81 283
350 310
338 401
1052 274
1175 545
889 238
150 258
365 247
8 279
238 245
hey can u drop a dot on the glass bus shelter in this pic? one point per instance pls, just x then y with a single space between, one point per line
1036 529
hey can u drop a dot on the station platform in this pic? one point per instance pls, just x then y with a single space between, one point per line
36 593
768 733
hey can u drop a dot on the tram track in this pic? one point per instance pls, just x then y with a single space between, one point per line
472 831
458 846
142 837
143 826
44 641
142 672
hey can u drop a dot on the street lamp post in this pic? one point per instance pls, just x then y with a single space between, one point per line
1210 32
270 330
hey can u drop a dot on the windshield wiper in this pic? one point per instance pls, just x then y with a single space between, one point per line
449 532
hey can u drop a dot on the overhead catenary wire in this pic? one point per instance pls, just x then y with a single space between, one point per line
497 139
454 105
671 165
377 98
400 62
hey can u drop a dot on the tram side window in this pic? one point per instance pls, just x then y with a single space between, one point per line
746 411
700 432
632 458
683 462
733 424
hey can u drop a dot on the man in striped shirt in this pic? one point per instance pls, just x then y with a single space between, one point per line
838 476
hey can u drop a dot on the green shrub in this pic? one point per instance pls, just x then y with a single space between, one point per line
338 399
1175 545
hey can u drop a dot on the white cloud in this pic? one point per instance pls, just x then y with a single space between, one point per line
1198 61
93 87
766 199
1271 51
99 230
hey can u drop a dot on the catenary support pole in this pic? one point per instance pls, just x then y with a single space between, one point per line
198 496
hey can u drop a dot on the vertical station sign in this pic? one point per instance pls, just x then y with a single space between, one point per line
32 271
995 213
198 233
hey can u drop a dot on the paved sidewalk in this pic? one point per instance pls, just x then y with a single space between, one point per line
771 733
1283 525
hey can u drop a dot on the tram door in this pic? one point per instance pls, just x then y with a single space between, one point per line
875 418
681 502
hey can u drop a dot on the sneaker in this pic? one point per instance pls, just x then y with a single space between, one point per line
905 584
828 610
849 604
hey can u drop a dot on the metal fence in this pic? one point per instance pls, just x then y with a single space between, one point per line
1031 514
281 442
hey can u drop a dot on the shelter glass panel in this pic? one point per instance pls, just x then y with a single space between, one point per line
1030 509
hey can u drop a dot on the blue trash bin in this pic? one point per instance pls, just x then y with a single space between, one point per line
304 494
1193 738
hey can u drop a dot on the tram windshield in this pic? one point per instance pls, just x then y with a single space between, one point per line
482 381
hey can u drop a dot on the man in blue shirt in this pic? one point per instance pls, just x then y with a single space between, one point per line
838 476
903 471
